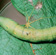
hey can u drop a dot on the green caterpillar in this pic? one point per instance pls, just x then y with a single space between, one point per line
29 34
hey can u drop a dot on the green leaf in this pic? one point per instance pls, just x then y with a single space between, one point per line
48 15
47 10
10 45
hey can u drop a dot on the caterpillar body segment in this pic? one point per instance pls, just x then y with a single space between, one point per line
28 34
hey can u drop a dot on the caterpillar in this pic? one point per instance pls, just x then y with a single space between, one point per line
27 34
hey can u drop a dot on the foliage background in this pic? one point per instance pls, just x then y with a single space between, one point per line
10 45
